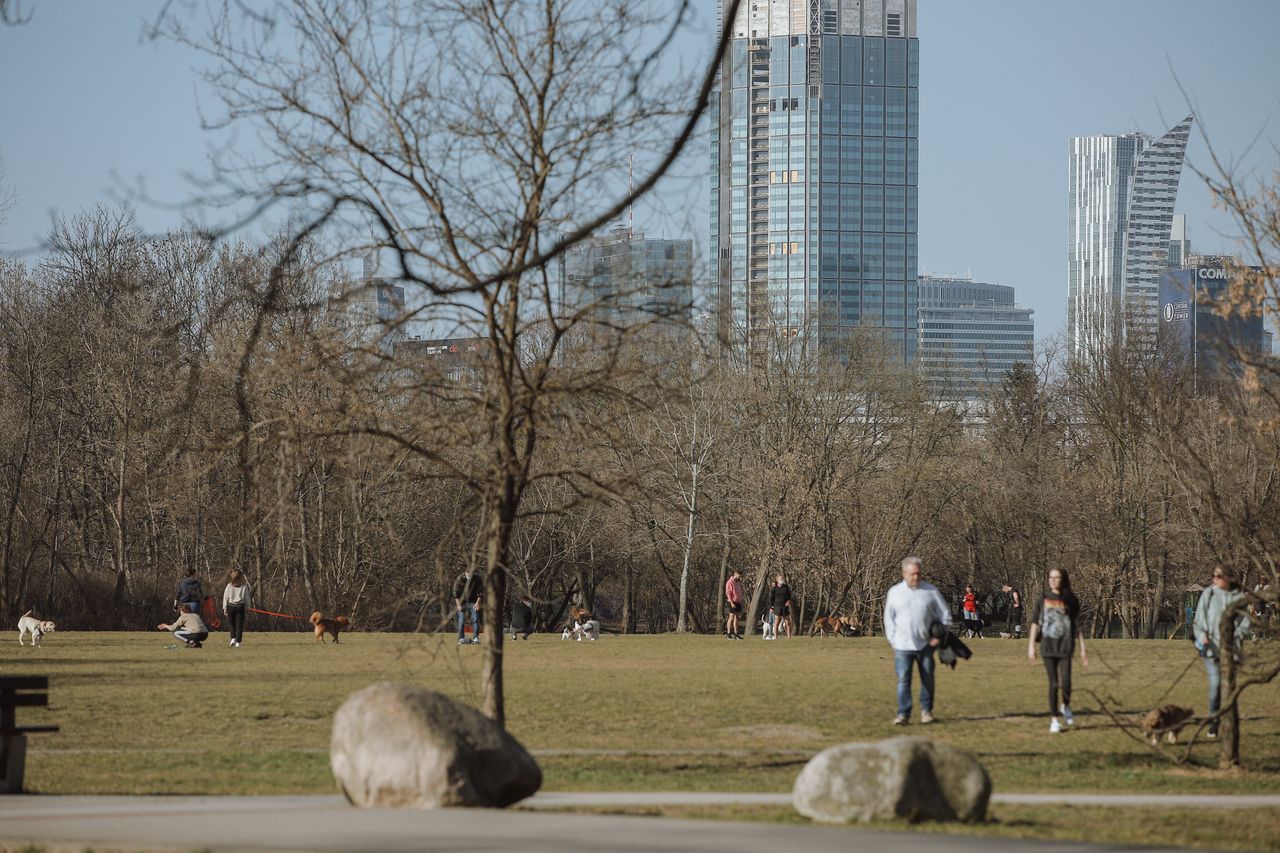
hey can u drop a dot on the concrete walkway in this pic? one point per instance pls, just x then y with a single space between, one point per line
593 799
327 823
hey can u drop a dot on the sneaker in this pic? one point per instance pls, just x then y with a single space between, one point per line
902 720
1067 716
197 645
231 643
926 717
1054 726
462 641
237 644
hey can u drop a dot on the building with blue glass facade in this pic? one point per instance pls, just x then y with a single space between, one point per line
814 172
1214 344
626 277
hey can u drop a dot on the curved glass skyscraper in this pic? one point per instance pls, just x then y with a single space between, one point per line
814 167
1122 191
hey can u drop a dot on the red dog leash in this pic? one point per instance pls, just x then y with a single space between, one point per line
273 613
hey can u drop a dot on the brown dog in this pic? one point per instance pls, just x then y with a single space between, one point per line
579 614
828 626
1166 720
325 625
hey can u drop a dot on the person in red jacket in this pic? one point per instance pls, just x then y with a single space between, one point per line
972 619
733 595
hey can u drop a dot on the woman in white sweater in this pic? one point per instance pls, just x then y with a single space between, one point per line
235 604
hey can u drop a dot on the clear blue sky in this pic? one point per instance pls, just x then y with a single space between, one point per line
88 105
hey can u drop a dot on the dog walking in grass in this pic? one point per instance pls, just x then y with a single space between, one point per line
324 625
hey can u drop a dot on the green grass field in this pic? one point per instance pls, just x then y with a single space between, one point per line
624 713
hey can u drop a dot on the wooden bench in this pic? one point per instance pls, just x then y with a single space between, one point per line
18 691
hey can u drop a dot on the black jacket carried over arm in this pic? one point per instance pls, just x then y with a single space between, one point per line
950 647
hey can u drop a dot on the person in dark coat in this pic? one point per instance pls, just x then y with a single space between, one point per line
522 617
779 608
189 592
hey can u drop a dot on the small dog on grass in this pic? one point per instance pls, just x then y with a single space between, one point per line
324 625
589 630
1167 720
37 628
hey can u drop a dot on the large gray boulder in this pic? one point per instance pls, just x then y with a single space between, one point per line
402 746
903 777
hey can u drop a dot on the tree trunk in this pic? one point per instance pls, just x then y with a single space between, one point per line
724 577
1229 723
762 573
688 553
495 584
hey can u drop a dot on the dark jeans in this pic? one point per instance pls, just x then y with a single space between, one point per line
902 663
474 610
235 621
1059 670
192 636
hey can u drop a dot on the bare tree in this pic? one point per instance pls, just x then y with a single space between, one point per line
469 134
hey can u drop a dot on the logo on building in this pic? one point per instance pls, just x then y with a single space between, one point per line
1177 311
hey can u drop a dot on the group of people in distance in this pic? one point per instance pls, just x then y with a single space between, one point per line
190 628
917 618
777 617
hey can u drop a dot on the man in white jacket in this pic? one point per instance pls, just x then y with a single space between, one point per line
910 609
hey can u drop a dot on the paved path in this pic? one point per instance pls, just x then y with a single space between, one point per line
590 799
327 823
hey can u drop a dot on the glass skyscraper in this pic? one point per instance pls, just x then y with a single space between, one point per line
630 277
814 166
1122 191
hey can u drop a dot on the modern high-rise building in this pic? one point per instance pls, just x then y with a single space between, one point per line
1215 342
374 308
1122 191
628 277
813 172
1179 244
971 335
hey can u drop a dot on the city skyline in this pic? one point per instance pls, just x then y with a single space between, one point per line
997 111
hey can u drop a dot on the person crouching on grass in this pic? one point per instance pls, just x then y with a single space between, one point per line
188 627
1057 623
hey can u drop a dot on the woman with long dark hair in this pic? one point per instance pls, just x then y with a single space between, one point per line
1057 625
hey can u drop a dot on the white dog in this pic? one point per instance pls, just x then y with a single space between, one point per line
37 628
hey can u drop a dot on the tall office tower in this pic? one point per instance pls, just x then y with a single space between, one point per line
631 277
971 335
1179 244
374 308
813 172
1120 214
